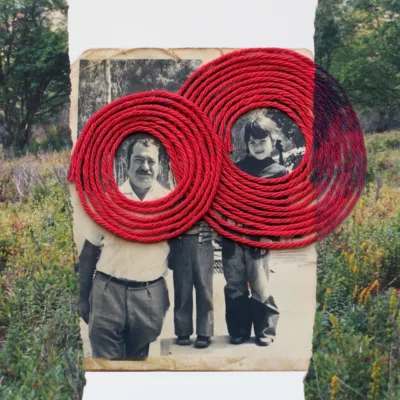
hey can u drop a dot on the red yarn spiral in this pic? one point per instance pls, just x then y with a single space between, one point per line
195 153
320 193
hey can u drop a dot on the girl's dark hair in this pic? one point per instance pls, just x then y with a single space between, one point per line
256 130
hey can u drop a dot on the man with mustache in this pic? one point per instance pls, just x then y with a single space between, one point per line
126 302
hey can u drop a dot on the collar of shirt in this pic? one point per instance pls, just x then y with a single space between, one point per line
156 191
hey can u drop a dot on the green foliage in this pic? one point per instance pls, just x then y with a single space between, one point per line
34 66
358 41
384 159
40 346
57 138
356 342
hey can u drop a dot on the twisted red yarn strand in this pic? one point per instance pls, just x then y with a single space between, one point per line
195 153
320 193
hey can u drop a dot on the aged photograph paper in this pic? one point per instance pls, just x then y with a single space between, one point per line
198 302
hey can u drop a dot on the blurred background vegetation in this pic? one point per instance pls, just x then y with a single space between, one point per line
356 347
34 75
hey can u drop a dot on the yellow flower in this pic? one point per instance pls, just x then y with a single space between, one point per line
353 297
351 258
335 387
374 285
361 297
375 375
355 270
365 295
363 244
335 325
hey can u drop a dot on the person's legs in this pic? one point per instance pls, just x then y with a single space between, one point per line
264 311
203 268
146 311
107 319
183 287
238 316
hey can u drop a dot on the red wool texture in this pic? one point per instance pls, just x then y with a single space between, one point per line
319 194
195 153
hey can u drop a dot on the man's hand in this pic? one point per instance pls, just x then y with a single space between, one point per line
264 252
84 309
206 233
87 265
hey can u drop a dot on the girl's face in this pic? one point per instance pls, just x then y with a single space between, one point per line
260 148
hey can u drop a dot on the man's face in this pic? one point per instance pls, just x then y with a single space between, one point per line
144 164
260 148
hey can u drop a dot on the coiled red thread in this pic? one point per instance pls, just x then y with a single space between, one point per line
195 153
320 193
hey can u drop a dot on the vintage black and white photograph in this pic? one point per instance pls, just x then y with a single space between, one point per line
197 297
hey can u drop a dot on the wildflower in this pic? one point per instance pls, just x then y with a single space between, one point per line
392 302
374 285
361 297
353 297
335 387
355 270
366 297
363 244
375 375
351 258
335 326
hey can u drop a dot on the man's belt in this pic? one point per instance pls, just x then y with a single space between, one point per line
126 283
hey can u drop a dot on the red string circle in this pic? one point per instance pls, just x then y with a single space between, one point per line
195 153
320 193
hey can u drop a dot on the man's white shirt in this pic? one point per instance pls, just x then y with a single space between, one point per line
131 260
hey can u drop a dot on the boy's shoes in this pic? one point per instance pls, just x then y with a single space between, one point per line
183 341
238 339
264 341
202 342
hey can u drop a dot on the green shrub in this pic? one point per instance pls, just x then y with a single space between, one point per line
356 346
40 345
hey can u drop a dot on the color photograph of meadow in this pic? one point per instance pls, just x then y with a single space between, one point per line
356 345
356 349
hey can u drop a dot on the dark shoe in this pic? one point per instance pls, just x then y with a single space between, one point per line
238 339
264 341
202 342
183 341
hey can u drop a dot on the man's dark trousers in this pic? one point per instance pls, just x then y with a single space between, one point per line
192 263
124 320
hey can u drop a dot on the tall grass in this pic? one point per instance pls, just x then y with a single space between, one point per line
40 345
356 347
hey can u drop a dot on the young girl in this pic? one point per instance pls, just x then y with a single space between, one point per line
248 300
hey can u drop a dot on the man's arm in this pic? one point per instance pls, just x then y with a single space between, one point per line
87 265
